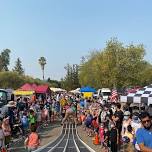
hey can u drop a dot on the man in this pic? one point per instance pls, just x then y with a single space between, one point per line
118 118
144 134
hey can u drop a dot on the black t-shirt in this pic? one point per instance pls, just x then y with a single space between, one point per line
113 135
119 114
21 106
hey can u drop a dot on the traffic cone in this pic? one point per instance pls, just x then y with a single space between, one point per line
96 140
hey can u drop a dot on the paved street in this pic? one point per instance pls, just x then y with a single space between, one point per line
46 134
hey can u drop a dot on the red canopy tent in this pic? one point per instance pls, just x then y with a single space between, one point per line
28 87
42 89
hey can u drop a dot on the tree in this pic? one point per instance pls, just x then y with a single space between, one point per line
54 83
18 67
4 60
115 66
42 62
71 80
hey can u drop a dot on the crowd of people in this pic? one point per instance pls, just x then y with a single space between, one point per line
117 126
24 117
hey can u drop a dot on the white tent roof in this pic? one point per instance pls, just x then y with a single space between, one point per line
76 91
57 90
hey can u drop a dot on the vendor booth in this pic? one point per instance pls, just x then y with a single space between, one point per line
142 96
87 91
57 90
76 91
43 91
23 93
25 90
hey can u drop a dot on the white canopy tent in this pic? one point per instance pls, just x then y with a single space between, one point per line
58 90
76 91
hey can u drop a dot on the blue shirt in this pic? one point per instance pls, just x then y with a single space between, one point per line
144 136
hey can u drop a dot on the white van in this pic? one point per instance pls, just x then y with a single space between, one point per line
104 93
3 102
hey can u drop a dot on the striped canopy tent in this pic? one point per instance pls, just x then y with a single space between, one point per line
143 95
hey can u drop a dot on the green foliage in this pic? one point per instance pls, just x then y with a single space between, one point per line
116 66
71 80
10 80
42 62
18 67
54 83
14 80
4 60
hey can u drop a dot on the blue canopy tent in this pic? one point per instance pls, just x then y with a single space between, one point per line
87 91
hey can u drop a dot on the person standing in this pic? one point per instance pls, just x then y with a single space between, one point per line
113 138
118 118
7 130
33 140
144 134
2 137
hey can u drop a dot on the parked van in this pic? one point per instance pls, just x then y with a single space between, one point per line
105 93
4 98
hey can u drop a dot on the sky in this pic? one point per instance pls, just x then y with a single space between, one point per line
65 30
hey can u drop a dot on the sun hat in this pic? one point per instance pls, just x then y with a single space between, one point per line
11 104
126 113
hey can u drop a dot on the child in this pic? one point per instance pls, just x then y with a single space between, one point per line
88 122
46 114
113 138
25 124
32 118
95 125
32 141
82 120
101 133
39 117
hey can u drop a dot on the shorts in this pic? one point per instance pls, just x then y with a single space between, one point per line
88 125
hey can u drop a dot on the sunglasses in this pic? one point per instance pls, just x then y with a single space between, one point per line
146 121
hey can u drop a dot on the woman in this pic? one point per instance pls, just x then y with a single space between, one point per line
126 122
2 137
7 130
70 111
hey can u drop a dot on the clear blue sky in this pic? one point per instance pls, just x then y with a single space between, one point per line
65 30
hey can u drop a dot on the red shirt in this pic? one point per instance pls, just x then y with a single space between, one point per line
95 124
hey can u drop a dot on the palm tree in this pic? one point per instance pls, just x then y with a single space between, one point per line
42 62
